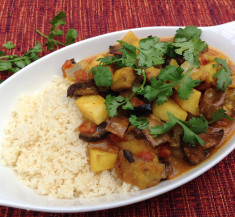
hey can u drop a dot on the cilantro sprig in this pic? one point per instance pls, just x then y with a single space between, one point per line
187 42
170 77
195 126
56 22
223 75
14 63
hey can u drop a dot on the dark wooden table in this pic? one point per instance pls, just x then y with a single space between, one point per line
211 194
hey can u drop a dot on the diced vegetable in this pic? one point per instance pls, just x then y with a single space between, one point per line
123 79
95 62
102 157
152 72
117 126
93 108
142 173
169 106
173 62
131 38
191 104
87 127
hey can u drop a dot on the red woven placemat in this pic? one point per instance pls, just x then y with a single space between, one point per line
211 194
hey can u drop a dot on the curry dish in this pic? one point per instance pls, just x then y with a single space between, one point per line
153 108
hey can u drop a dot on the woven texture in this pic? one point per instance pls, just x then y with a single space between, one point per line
211 194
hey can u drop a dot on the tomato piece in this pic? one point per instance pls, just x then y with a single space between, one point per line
66 65
80 75
87 127
203 61
164 152
146 155
135 101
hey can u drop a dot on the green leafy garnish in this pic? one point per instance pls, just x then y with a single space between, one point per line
55 31
102 76
168 78
141 123
113 102
223 75
13 63
8 45
220 114
190 137
187 42
2 53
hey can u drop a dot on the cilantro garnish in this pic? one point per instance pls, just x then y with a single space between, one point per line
160 90
194 126
141 123
187 42
55 31
102 76
8 45
223 75
14 63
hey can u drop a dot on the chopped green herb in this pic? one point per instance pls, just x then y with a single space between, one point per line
223 75
8 45
102 76
141 123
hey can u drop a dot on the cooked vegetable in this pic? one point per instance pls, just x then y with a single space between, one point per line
191 104
93 108
117 126
102 157
123 79
99 133
164 107
79 89
171 106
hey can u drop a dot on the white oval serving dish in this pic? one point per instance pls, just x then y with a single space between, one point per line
33 77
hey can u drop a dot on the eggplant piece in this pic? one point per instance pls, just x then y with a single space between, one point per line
117 126
142 110
79 89
128 155
100 134
211 101
138 134
161 139
193 154
212 137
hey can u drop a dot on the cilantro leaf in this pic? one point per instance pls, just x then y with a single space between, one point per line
5 66
151 52
102 76
56 22
188 32
172 73
8 45
128 106
13 63
112 103
190 137
187 42
223 75
190 49
198 124
220 114
141 123
2 53
186 86
71 35
158 130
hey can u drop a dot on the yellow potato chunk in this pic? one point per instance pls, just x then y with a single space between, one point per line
152 72
123 79
101 160
131 38
169 106
93 108
173 62
191 104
